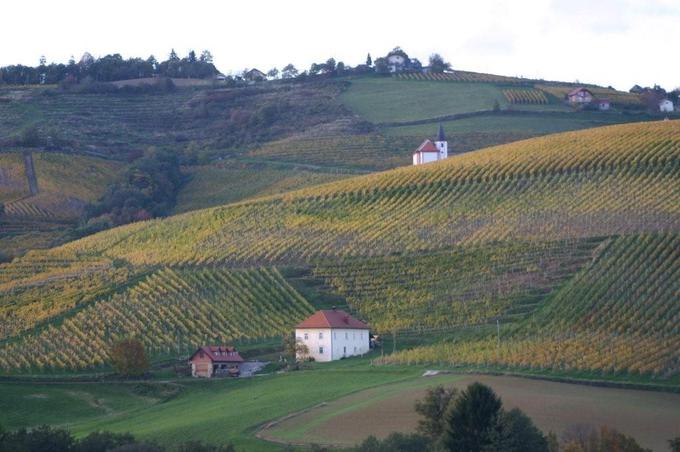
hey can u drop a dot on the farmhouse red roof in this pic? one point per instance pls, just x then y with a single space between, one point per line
220 354
427 146
332 319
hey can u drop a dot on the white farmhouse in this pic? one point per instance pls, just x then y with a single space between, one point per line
431 152
666 106
333 334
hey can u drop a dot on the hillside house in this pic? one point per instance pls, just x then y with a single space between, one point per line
332 334
666 106
255 75
430 151
397 60
215 361
579 96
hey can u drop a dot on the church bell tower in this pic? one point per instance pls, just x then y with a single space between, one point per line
442 144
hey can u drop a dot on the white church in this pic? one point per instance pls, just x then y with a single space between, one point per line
432 152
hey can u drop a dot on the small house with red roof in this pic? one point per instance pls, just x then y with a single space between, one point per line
579 96
215 361
333 334
430 151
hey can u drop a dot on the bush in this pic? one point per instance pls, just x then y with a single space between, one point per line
128 358
396 442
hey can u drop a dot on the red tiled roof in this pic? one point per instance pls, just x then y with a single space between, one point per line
578 90
220 354
332 319
427 146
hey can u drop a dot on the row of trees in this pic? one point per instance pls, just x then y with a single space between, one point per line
110 68
114 67
333 68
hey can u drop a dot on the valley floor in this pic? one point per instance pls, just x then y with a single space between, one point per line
347 394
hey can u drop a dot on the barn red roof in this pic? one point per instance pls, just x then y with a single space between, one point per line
332 319
427 146
219 354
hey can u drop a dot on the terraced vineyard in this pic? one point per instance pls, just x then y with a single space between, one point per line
171 311
548 188
367 152
467 286
615 97
65 182
550 234
619 314
463 76
525 96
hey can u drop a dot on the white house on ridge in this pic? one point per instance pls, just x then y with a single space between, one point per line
666 106
431 152
333 334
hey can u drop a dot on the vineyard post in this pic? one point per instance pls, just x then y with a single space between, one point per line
498 331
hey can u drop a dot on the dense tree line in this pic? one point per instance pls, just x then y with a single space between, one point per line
48 439
147 189
110 68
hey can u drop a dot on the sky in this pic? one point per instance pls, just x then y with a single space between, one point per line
607 42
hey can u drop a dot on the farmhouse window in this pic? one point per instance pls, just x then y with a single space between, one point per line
320 335
306 336
321 350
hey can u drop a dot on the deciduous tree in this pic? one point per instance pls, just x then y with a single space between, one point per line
128 358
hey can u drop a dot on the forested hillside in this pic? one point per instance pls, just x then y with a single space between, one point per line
570 240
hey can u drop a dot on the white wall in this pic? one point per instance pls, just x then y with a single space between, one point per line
336 343
349 342
443 147
314 339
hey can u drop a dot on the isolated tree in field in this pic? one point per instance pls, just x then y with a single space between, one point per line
433 410
128 358
471 419
369 60
289 71
437 63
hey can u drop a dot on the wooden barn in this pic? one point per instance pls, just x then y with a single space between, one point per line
215 361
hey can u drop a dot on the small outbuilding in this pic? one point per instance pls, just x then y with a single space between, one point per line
215 361
331 335
666 106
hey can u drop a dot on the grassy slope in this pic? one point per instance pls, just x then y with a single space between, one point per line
212 185
565 188
387 99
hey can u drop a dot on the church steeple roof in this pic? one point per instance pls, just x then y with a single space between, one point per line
440 135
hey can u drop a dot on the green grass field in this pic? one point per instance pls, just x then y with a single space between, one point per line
218 411
386 99
353 391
